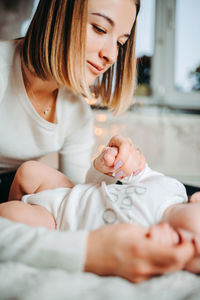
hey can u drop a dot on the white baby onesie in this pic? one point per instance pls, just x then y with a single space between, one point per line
141 200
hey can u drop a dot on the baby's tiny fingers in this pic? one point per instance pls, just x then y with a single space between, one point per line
109 156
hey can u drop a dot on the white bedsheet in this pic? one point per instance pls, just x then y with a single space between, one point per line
18 281
34 265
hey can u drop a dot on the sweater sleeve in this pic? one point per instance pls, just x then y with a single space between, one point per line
4 67
94 176
40 247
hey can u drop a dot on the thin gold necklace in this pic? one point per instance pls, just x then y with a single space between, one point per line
46 110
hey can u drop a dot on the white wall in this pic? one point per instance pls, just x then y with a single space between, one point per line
169 141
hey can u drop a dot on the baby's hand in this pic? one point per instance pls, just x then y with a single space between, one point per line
105 161
128 158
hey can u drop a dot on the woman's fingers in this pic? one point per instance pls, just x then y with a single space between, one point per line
155 259
118 140
164 234
125 251
168 259
120 158
135 162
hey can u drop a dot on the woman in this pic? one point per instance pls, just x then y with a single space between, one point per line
69 46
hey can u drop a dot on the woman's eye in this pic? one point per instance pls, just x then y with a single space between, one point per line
98 29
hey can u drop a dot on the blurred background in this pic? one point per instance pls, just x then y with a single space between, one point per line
165 120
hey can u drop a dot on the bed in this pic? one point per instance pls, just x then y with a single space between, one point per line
18 281
24 282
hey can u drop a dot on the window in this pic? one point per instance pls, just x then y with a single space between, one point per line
145 46
176 60
26 23
168 53
187 46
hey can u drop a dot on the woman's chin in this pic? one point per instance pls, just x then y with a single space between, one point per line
91 78
91 81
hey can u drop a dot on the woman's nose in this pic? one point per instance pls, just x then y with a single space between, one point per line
109 53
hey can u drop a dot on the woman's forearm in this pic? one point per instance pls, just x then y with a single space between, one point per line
119 250
40 247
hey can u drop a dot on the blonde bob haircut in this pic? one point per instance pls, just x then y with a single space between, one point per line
54 46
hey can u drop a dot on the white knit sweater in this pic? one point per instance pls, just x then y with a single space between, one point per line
24 135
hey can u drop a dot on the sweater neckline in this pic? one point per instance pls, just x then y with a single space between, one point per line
20 91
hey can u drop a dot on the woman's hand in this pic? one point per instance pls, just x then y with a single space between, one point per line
124 250
120 158
165 235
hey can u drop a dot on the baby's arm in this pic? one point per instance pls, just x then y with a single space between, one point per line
184 216
33 177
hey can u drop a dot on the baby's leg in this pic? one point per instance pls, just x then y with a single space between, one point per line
33 176
33 215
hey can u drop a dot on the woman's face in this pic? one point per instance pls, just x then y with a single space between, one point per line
108 28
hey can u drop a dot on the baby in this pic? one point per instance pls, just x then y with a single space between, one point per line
50 199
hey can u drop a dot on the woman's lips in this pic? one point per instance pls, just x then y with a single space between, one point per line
95 69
